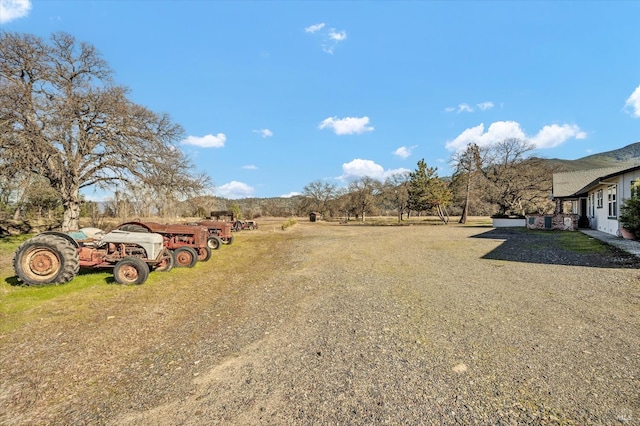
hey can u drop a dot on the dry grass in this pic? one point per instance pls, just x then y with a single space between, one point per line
333 324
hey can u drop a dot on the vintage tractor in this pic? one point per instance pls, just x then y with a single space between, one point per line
219 232
56 257
187 242
240 225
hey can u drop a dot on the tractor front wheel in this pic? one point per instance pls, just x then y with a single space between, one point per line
186 257
131 270
214 243
204 254
167 262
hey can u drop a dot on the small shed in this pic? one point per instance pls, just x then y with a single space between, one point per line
313 216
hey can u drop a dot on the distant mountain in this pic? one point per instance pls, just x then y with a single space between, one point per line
628 155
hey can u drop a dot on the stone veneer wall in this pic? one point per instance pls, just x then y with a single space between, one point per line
558 221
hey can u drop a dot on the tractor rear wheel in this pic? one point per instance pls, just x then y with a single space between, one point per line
186 257
46 259
131 270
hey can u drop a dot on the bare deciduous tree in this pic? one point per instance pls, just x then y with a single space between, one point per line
396 191
363 193
62 118
516 182
318 194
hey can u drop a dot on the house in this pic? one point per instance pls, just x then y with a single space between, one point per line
595 195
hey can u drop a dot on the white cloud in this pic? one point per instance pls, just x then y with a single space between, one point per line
359 168
329 37
13 9
208 141
234 190
289 195
483 106
314 28
548 137
554 135
403 151
265 133
337 35
250 167
347 125
633 103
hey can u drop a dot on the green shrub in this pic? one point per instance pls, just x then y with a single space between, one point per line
630 215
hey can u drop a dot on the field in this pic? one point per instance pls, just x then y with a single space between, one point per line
327 323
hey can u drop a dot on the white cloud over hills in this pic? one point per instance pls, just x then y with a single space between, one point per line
633 103
359 168
548 137
234 190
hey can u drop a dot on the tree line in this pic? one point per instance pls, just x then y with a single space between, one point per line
65 126
500 179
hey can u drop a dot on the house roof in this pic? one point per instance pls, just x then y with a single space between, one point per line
572 184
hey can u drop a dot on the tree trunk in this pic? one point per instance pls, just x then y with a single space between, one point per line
463 217
71 204
465 209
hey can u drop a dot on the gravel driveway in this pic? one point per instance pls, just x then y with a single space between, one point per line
367 325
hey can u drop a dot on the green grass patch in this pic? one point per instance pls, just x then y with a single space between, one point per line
8 245
580 243
23 304
95 290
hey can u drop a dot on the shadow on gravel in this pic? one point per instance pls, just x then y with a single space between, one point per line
548 247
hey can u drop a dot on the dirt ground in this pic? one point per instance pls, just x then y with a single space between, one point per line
331 324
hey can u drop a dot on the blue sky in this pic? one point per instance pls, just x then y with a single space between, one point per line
274 95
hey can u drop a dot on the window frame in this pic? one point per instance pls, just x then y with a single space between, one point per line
612 201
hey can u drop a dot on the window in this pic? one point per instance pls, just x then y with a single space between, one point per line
599 199
591 207
611 200
635 188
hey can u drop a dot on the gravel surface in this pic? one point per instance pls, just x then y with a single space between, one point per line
358 325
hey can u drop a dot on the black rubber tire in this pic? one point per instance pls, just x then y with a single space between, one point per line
46 259
214 243
168 262
131 270
132 227
186 257
204 254
228 241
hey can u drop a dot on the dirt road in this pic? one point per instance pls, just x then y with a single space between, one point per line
332 324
